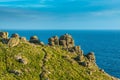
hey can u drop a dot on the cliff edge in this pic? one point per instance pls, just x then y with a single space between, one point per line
60 59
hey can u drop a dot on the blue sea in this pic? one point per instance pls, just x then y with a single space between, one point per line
105 44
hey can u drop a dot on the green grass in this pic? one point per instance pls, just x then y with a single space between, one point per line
53 64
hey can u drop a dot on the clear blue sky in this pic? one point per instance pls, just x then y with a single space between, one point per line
59 14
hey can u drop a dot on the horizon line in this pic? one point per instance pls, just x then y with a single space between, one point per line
66 29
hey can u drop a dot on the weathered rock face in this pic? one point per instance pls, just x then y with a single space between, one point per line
77 49
14 40
91 56
53 41
4 35
66 41
80 56
90 60
34 39
85 64
86 60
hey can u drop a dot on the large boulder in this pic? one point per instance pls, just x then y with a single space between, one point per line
66 41
14 40
4 35
34 39
53 41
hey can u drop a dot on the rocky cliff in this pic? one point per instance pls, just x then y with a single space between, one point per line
60 59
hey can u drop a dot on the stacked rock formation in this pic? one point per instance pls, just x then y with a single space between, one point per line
66 41
87 60
91 56
53 41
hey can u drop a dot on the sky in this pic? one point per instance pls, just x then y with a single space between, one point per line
60 14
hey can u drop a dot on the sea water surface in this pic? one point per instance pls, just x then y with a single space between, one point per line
105 44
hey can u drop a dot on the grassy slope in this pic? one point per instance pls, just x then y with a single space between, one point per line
44 63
